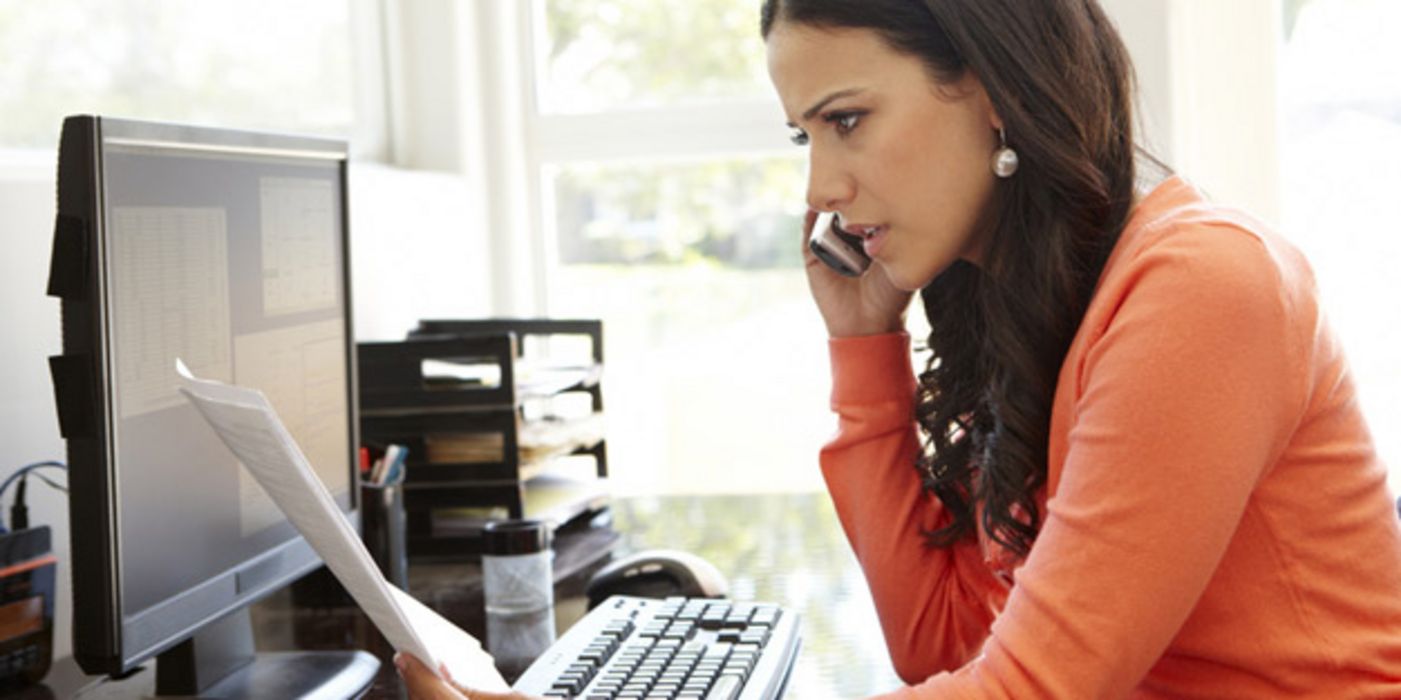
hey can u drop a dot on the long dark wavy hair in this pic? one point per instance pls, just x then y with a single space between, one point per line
1058 74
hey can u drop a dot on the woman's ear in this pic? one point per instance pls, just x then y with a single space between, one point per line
994 119
974 87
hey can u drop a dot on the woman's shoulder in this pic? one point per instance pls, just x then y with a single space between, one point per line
1178 240
1189 270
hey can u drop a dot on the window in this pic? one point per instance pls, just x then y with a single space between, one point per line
609 54
1341 157
259 64
673 205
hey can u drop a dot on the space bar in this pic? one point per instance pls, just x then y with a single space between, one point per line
726 688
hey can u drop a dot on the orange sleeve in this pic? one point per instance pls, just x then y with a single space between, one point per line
1185 400
935 605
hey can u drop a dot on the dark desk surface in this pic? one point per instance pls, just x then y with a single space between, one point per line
785 548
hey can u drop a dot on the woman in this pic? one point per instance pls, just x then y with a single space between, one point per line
1134 465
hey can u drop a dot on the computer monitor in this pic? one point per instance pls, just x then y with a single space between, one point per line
226 249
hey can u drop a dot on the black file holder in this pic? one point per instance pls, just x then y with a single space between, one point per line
400 403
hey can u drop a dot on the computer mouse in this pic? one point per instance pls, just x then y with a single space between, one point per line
657 573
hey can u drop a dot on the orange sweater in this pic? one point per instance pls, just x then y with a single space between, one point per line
1216 521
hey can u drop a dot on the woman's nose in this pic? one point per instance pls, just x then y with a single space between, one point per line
829 188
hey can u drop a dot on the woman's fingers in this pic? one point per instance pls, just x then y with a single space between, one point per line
476 694
423 684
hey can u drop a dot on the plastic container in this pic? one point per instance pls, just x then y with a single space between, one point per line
518 584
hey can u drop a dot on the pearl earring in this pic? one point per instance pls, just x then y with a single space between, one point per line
1004 161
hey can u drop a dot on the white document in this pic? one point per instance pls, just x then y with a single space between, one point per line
247 423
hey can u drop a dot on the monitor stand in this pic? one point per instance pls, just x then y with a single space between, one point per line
219 662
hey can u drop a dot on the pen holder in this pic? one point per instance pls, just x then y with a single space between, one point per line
382 529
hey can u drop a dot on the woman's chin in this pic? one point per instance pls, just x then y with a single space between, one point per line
904 280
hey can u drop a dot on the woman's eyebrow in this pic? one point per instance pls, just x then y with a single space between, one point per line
813 110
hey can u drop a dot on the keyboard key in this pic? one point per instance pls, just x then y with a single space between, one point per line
713 618
733 622
725 688
573 682
618 627
766 615
680 630
565 686
653 629
706 672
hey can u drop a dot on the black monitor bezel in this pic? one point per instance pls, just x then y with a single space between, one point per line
101 636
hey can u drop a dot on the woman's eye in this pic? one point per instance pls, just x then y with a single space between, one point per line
798 137
845 122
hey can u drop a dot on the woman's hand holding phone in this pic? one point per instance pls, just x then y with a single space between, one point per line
850 306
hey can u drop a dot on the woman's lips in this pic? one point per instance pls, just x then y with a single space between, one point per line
872 235
873 241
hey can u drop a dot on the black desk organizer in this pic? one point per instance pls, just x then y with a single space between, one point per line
400 403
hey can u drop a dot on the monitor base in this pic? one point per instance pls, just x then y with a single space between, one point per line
304 675
219 662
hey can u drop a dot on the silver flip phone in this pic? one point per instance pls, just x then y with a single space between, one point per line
841 251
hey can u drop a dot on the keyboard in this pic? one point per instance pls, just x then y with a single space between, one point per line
677 648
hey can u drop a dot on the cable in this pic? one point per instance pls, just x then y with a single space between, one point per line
19 513
52 484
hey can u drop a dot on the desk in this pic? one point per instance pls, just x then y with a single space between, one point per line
787 549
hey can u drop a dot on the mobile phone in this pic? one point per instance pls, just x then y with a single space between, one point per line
840 250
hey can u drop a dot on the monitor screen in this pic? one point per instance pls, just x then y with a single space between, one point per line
227 250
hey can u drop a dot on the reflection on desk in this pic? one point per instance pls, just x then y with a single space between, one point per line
787 549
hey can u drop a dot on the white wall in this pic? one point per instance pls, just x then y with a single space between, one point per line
419 249
29 333
1208 75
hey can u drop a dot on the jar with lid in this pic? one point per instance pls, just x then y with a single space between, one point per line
518 591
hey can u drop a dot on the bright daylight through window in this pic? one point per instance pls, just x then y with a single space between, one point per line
716 357
259 64
1341 155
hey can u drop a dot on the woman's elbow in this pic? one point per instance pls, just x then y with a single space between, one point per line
914 665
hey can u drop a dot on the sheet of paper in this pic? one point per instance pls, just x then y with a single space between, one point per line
246 422
467 662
